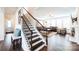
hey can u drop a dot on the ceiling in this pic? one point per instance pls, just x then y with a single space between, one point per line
46 12
9 12
42 12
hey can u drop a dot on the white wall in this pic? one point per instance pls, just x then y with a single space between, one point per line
2 24
10 15
76 26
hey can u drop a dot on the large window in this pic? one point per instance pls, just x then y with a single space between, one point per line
60 22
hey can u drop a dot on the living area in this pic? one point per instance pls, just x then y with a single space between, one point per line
39 29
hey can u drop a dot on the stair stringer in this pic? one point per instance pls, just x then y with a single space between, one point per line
25 43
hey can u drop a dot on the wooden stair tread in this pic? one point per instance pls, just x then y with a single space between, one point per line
28 30
37 46
33 41
30 33
33 36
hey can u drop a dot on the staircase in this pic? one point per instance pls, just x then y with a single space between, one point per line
33 37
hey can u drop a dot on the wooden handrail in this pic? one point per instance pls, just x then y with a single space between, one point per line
33 17
39 23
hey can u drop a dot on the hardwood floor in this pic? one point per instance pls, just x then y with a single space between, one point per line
55 43
6 45
61 43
